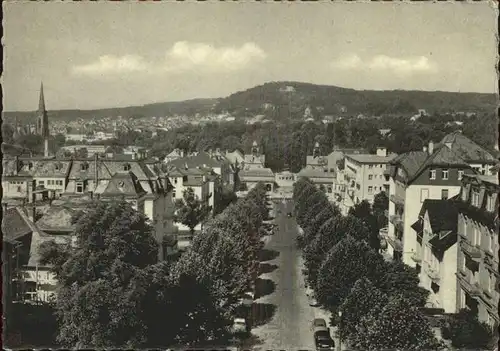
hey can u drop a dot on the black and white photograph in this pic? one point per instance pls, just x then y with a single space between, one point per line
250 175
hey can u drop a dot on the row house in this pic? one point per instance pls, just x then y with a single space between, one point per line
364 174
478 260
436 252
433 173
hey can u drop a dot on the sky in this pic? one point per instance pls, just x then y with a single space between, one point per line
110 54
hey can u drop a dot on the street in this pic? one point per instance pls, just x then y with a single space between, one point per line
283 316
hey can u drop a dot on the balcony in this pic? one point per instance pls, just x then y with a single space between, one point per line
470 250
433 274
472 288
489 261
397 199
416 257
396 243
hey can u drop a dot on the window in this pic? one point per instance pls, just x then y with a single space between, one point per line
491 243
432 174
370 177
173 194
41 182
464 194
475 198
50 182
79 187
460 174
476 235
463 266
370 190
381 166
84 166
491 282
175 180
370 166
444 174
126 167
424 194
490 205
444 194
18 189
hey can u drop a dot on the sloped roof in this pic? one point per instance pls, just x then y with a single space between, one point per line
52 168
57 218
467 149
200 159
14 224
124 184
443 215
315 173
316 160
40 237
368 158
442 156
256 172
411 161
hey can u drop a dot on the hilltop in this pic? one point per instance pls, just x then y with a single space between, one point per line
274 100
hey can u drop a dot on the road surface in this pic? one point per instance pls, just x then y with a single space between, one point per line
288 327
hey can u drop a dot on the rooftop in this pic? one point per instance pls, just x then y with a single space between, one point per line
315 173
368 158
57 218
493 179
256 172
443 215
466 148
14 224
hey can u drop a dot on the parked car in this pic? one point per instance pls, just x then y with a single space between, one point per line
313 302
309 292
323 341
239 326
319 324
247 298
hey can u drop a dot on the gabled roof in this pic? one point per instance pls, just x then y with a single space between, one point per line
198 160
14 224
443 215
316 160
442 156
368 158
467 149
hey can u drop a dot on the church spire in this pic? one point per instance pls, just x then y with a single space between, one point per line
41 102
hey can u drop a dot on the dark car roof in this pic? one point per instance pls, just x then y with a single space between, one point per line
319 321
322 334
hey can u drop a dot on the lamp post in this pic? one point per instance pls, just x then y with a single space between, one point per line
339 346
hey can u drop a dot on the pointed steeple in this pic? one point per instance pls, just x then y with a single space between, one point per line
41 102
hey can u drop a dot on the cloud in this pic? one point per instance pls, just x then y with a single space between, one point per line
184 56
383 63
109 64
181 57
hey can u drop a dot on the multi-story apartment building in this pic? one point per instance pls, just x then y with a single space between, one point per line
364 174
433 173
318 171
436 252
415 177
478 225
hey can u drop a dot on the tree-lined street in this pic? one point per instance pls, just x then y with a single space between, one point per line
290 326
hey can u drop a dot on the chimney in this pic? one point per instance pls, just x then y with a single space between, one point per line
16 165
186 166
96 172
381 151
431 147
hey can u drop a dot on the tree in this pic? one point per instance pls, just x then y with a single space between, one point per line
329 235
98 293
8 133
362 300
398 326
223 198
363 211
396 278
190 210
345 263
380 205
466 331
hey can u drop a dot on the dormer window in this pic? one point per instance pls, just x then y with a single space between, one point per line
464 194
84 166
460 174
490 203
30 165
432 174
80 186
126 167
121 184
444 174
475 198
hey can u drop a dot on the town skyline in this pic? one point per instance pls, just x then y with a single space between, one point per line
84 66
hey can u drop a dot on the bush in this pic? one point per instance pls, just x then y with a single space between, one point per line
466 331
